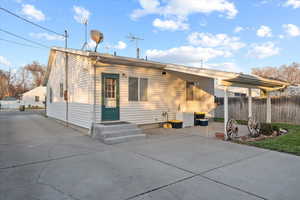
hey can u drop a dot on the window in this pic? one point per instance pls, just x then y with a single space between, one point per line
37 98
137 89
61 90
190 91
50 95
143 89
133 87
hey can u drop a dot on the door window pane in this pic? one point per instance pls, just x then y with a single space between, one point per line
110 88
133 86
143 89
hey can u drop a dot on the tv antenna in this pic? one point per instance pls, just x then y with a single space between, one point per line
85 45
135 39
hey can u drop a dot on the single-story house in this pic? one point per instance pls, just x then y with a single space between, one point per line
86 87
35 97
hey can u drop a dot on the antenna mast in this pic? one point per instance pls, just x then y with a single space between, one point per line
85 45
135 39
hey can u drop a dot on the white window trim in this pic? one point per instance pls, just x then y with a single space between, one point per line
139 87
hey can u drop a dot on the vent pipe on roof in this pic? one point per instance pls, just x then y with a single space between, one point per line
138 53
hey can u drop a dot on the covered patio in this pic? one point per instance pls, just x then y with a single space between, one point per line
230 79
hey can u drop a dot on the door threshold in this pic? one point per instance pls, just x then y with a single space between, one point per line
113 122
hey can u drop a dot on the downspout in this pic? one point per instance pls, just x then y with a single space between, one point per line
66 95
94 106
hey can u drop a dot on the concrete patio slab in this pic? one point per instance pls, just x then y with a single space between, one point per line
45 160
109 175
197 188
193 153
273 175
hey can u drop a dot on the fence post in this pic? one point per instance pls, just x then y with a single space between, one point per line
249 103
268 108
225 111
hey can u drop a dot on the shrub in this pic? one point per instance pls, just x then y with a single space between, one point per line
268 129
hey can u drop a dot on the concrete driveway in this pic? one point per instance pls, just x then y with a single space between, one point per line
41 159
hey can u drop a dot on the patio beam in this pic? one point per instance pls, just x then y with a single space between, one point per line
269 112
249 102
225 111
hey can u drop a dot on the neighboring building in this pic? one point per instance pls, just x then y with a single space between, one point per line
289 91
10 103
104 88
34 97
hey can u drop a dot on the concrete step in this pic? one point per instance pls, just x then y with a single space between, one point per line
116 132
119 133
123 132
115 127
116 140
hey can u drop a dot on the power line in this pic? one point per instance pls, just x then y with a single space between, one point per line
20 37
30 22
18 43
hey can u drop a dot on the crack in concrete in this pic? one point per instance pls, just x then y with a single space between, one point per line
199 175
45 161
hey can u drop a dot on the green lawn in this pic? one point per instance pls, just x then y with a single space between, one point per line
289 143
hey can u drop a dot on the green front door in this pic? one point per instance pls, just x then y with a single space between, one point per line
110 97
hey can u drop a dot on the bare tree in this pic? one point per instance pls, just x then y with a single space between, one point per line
37 71
288 73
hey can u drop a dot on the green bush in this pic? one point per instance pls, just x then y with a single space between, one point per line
268 129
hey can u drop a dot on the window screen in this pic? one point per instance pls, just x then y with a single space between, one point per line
143 89
133 86
190 91
37 98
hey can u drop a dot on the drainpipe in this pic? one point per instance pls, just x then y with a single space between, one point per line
67 81
94 106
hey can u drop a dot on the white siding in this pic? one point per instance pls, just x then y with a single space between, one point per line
78 85
166 94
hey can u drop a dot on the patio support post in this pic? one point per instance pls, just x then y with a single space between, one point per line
269 112
249 102
225 111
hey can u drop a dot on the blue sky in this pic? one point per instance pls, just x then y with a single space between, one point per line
232 35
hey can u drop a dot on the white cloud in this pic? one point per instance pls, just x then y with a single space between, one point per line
293 3
92 44
4 61
32 13
264 31
81 14
238 29
263 50
187 55
226 66
50 37
222 41
184 8
120 46
171 25
291 30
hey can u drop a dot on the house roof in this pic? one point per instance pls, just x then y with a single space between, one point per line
227 78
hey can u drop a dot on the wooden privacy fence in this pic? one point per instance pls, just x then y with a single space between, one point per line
284 109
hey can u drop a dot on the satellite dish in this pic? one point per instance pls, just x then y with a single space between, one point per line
97 37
